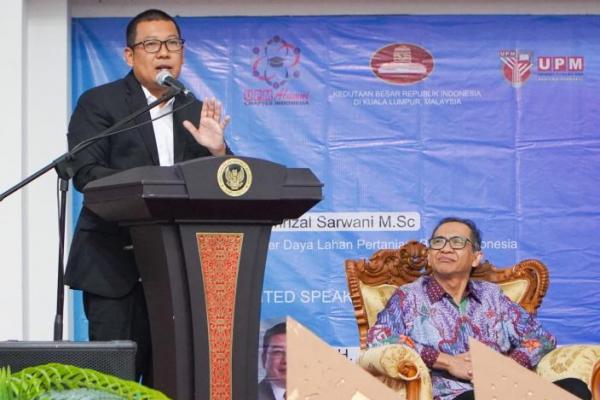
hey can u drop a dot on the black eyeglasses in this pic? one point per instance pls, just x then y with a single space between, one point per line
277 353
456 242
154 45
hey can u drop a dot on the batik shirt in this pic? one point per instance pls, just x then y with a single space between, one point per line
423 316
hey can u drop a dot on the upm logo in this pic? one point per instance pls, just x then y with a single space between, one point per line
516 66
573 64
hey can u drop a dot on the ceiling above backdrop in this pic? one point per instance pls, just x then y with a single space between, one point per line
115 8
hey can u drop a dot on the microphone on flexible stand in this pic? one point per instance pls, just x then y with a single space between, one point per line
164 78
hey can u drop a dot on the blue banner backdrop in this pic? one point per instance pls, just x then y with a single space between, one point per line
406 119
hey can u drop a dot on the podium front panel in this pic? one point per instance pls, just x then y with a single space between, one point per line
225 269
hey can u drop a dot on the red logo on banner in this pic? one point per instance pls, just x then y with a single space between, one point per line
276 62
402 63
516 66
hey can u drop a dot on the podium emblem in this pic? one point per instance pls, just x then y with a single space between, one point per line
234 177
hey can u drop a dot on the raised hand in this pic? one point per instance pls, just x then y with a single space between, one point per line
210 132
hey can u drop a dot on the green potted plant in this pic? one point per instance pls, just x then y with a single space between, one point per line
67 382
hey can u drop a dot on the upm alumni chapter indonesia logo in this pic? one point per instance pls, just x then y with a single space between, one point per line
276 64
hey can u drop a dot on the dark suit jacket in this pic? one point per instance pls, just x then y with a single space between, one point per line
264 391
98 262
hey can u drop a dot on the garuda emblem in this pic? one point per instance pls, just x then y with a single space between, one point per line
234 177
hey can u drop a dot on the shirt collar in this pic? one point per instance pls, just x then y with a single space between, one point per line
436 292
278 392
150 97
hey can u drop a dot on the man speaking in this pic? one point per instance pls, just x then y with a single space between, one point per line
101 262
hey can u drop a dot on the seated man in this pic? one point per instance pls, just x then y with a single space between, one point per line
272 387
438 313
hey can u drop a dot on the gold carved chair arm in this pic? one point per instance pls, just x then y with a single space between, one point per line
400 368
573 361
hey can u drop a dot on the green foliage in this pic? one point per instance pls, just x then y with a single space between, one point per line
8 386
59 381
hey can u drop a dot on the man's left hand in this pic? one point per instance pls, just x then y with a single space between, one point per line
210 132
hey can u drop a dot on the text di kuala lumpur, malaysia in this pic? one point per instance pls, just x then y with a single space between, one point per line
406 97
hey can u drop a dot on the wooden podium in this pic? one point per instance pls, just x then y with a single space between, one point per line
200 232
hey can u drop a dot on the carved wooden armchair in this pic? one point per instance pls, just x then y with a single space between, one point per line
372 282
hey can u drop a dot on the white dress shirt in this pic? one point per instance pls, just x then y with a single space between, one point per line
278 392
163 129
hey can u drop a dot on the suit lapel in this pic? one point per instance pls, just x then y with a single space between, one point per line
180 134
137 100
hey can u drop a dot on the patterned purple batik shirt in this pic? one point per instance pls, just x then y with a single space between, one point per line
423 316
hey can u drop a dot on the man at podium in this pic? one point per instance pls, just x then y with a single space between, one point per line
438 313
101 261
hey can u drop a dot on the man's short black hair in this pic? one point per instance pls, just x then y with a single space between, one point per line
148 15
475 232
276 329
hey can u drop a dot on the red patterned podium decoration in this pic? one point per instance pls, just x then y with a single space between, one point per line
220 258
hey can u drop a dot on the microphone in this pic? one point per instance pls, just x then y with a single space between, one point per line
164 78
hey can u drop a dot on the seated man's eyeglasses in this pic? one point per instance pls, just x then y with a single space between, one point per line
456 242
154 45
